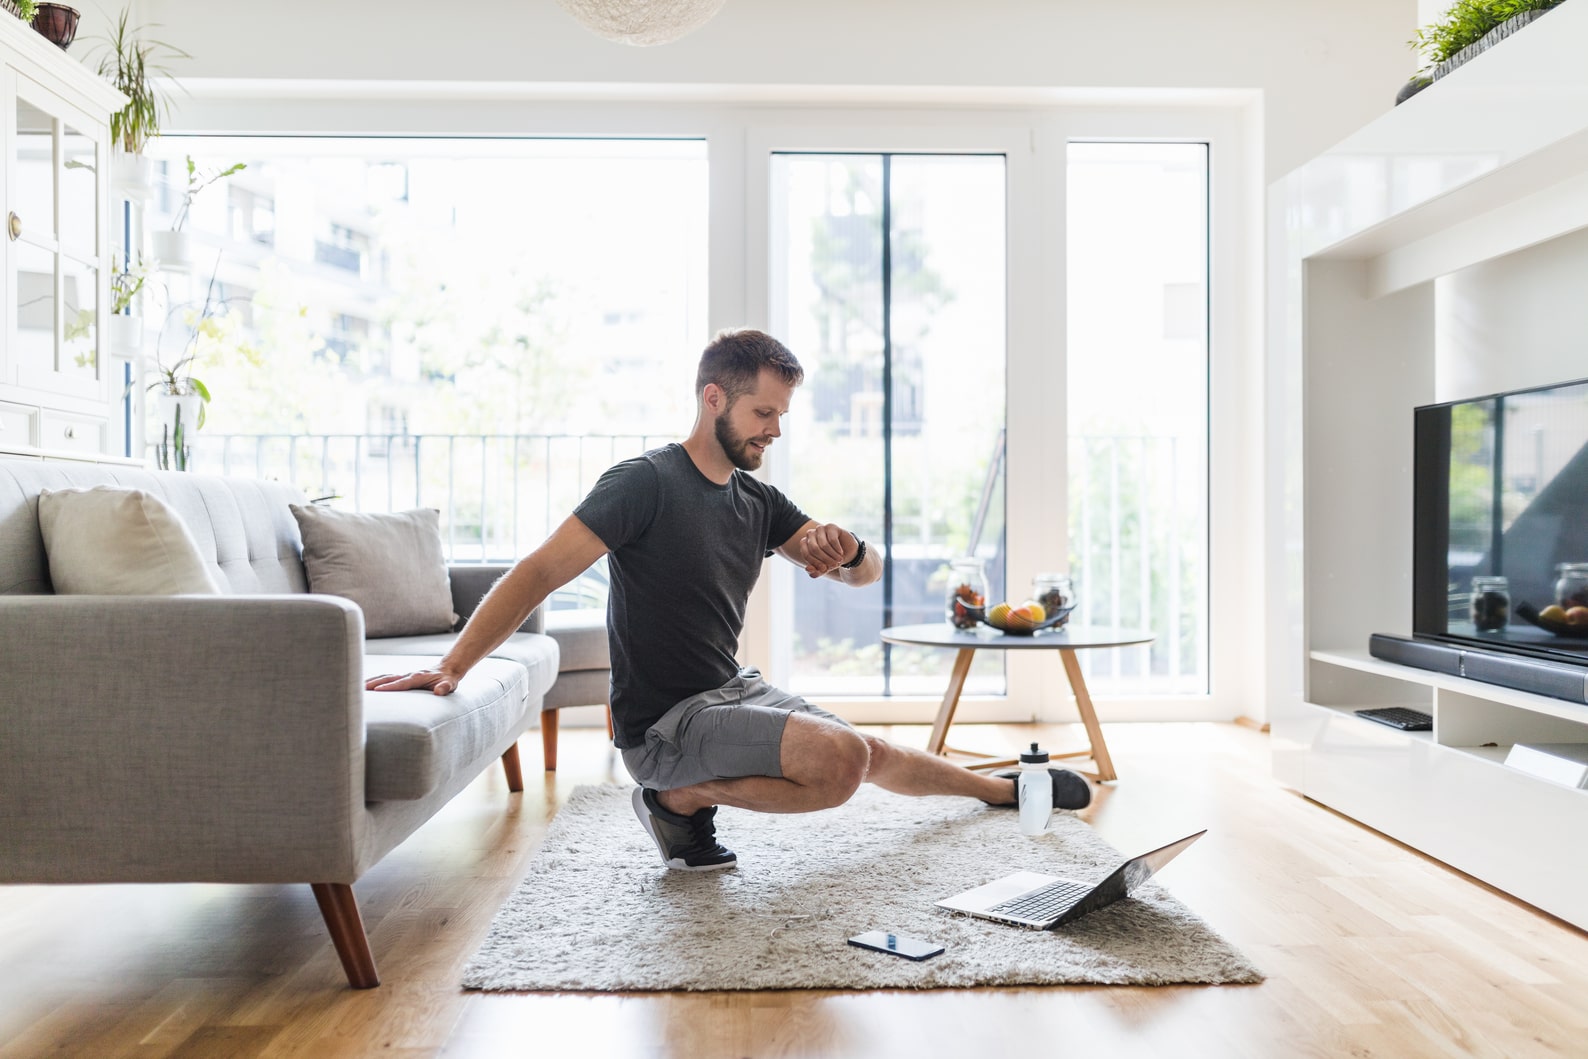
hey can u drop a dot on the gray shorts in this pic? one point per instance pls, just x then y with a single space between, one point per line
732 731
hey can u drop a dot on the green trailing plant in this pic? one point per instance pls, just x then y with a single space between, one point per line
23 9
198 180
132 65
1466 22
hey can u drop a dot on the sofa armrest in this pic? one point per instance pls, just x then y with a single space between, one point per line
181 738
470 582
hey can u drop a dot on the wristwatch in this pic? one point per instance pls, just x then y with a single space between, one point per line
860 557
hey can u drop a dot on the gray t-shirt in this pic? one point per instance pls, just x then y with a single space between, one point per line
684 553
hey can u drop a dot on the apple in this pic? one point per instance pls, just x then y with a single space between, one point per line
1553 613
1026 617
1577 616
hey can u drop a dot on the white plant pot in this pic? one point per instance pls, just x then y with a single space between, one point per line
126 334
172 251
132 176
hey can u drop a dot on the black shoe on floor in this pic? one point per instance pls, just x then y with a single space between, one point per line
1070 789
688 843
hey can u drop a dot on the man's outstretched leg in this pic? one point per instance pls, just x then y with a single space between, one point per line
905 770
779 754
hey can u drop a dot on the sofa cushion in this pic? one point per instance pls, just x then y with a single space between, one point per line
108 541
390 565
415 741
581 637
579 687
536 653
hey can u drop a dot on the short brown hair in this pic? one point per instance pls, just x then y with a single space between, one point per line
734 360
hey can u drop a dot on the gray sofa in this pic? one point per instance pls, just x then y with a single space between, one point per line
229 738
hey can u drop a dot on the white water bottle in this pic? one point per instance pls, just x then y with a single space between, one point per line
1035 790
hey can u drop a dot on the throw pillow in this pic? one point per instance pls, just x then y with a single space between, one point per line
390 565
108 541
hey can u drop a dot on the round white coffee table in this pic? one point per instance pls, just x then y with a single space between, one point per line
1065 640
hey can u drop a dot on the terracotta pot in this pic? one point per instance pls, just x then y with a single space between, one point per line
57 22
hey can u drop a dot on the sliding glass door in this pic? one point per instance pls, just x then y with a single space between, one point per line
1137 361
888 282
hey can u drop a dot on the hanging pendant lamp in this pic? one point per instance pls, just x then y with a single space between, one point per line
642 22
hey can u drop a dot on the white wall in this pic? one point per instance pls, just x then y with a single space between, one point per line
1325 66
1516 321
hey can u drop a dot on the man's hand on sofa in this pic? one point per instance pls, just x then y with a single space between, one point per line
438 681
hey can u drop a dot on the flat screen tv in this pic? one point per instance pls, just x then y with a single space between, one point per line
1501 491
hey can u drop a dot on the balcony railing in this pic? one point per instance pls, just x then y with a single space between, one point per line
1136 519
499 495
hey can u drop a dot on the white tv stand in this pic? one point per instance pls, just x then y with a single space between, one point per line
1365 242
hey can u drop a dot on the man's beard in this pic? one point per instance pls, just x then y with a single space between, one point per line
738 449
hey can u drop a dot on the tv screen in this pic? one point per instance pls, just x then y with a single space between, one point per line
1500 522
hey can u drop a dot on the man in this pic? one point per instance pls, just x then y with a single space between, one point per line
686 528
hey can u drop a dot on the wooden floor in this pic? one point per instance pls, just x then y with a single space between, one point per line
1371 949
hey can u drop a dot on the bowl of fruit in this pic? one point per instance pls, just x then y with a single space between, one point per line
1562 621
1024 619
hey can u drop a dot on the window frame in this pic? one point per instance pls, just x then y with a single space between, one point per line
1032 129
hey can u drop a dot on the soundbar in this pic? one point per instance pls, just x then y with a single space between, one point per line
1555 679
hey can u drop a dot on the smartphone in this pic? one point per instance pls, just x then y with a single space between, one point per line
909 948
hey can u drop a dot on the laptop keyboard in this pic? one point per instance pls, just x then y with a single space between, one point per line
1044 902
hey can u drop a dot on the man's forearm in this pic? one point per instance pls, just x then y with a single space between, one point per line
505 607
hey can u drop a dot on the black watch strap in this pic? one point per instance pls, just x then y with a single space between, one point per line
860 557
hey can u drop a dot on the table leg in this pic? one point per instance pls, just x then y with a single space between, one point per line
945 712
1083 703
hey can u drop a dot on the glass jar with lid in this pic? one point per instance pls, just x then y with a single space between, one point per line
1491 603
1056 593
966 602
1571 584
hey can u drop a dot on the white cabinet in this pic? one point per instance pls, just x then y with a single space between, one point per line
1372 247
58 389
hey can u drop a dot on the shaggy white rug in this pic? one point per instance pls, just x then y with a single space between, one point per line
598 911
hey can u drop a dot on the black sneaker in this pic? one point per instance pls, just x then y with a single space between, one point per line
1070 789
688 843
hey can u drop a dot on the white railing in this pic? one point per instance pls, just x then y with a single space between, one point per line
1138 531
499 495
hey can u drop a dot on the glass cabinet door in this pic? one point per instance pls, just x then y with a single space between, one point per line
53 261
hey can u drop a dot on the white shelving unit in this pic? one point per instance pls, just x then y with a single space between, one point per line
1366 242
58 387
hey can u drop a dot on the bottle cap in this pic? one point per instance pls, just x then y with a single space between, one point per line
1034 756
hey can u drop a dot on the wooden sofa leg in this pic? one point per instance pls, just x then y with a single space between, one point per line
610 734
548 738
515 775
347 933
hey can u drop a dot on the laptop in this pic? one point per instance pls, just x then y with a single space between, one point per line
1029 899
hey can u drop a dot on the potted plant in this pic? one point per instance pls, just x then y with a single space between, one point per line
1466 30
56 23
23 9
206 329
171 246
126 323
132 65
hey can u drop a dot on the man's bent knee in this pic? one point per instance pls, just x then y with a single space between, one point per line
824 757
